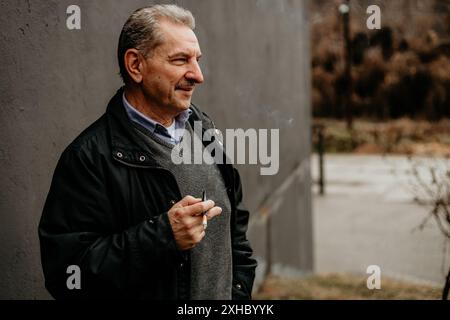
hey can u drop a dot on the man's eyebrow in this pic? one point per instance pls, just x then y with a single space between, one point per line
183 54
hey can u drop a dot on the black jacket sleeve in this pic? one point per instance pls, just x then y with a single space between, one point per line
243 264
77 228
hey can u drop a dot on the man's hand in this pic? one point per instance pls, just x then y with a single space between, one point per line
186 220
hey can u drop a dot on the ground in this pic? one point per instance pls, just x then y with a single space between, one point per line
342 287
368 217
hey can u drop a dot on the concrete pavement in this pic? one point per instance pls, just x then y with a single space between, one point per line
368 217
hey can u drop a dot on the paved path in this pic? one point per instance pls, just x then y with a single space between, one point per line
368 218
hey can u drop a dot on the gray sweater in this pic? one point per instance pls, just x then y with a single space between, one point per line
211 259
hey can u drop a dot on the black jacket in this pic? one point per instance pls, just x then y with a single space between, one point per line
106 212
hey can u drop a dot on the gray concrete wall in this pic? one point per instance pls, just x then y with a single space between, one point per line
55 81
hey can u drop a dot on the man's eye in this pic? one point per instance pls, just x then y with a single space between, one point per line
180 60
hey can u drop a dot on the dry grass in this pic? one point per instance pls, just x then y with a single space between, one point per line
402 136
342 287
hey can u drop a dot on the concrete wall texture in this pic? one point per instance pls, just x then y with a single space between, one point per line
54 82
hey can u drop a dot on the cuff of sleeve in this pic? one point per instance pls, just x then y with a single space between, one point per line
162 223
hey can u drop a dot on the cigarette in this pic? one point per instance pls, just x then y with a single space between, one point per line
205 221
205 214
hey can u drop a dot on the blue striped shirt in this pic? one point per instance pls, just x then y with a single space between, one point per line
172 136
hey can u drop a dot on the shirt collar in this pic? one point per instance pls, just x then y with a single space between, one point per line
152 125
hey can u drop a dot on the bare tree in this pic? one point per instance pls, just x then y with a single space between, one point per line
430 185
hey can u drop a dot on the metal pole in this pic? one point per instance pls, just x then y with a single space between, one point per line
268 247
321 151
344 9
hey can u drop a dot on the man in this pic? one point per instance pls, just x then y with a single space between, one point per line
121 211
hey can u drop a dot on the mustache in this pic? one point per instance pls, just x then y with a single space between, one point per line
185 85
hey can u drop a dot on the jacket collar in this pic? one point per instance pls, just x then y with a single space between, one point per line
126 146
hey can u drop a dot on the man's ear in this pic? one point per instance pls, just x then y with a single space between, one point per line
133 64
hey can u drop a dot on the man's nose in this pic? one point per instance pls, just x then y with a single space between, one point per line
195 73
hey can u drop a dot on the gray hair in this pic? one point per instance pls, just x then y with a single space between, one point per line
141 30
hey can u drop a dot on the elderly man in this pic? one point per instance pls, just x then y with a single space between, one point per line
120 211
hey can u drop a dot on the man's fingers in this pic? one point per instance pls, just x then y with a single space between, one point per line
214 212
197 220
198 231
198 208
186 201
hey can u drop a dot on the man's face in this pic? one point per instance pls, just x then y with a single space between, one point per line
172 71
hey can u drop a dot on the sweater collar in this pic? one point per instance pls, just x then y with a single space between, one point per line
172 136
126 145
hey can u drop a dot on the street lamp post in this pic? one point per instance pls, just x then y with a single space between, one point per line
344 10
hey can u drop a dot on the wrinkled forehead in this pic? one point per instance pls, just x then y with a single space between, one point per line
178 37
